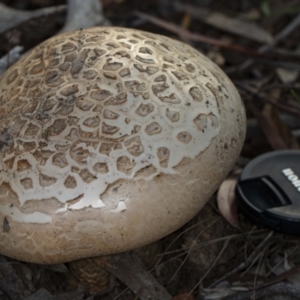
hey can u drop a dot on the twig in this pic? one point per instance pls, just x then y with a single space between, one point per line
284 33
84 14
282 288
208 243
226 243
251 263
246 262
129 269
177 237
10 17
10 58
210 41
258 266
281 277
291 110
277 64
192 248
246 29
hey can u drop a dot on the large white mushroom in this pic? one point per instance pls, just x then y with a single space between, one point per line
110 138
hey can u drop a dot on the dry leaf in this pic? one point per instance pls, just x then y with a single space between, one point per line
226 201
242 28
287 75
277 133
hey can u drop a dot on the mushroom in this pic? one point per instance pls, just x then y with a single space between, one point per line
110 139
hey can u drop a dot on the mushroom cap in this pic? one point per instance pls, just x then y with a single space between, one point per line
110 138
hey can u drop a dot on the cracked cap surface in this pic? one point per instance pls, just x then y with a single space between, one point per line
110 138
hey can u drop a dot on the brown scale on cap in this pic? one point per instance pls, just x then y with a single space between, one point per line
110 138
